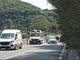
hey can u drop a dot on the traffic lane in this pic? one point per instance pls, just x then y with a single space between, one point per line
10 53
38 56
43 52
50 46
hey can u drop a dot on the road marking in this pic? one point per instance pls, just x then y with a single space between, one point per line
62 52
18 54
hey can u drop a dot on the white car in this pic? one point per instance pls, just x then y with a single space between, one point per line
52 39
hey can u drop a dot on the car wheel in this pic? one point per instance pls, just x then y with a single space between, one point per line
20 46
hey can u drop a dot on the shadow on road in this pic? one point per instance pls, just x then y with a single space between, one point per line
4 49
39 56
50 47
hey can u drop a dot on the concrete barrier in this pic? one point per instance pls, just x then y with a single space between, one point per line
72 55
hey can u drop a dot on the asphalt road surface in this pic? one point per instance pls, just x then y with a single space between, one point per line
34 52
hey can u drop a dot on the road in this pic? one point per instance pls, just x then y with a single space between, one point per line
34 52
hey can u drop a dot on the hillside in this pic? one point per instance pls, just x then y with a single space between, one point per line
24 16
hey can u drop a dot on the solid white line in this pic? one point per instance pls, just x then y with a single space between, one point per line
18 54
62 53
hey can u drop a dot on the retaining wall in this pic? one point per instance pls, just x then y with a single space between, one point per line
72 55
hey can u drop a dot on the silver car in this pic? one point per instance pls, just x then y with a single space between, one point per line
52 39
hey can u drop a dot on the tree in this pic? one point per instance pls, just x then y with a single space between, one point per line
15 14
69 15
40 22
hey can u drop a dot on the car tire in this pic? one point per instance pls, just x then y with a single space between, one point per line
20 46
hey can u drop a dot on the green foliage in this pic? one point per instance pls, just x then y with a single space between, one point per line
25 36
69 15
15 14
40 22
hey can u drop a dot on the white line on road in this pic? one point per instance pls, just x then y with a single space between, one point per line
62 52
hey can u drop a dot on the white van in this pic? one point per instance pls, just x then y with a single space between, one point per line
36 37
11 38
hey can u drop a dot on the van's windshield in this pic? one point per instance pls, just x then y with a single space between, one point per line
7 36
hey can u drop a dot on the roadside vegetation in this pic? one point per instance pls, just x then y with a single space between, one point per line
69 20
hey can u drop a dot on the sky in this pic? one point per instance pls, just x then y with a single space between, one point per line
43 4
